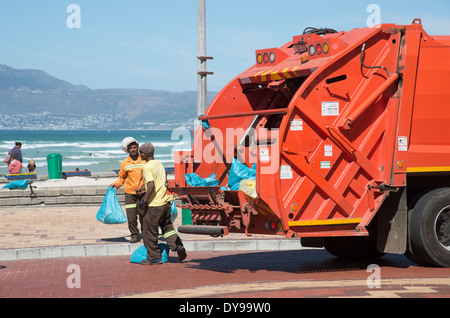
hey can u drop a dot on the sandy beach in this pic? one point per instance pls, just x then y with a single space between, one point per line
74 182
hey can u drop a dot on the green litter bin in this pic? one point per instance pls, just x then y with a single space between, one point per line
186 217
54 163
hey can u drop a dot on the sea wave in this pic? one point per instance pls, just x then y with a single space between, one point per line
83 164
87 145
85 150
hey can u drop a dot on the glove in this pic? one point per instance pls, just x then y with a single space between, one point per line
142 204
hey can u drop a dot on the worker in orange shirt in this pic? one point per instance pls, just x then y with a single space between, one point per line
130 176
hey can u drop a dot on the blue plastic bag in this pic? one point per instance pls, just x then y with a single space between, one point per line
17 184
194 180
239 172
141 253
173 212
111 212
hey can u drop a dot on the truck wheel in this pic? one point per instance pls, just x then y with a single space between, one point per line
337 246
361 248
429 228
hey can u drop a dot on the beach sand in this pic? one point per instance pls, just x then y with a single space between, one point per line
74 182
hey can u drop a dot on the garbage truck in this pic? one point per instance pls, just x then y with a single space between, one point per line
338 138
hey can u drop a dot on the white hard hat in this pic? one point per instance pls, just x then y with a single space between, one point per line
126 142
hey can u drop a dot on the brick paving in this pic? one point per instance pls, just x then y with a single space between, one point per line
204 274
283 274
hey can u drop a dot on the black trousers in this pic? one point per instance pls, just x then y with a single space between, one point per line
133 213
156 217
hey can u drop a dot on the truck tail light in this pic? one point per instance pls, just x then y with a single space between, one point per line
319 49
273 225
272 57
259 58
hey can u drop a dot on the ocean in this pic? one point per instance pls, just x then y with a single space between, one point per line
94 150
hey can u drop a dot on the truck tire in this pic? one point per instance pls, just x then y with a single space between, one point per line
337 246
429 228
360 248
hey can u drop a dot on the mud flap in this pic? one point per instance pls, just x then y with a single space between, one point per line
392 221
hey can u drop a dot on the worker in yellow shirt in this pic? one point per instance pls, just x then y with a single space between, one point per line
130 176
158 211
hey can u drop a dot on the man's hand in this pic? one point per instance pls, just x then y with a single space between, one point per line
112 185
146 197
140 190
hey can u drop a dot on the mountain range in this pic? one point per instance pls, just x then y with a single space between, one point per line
36 92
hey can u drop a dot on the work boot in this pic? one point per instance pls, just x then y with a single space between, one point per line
181 251
151 261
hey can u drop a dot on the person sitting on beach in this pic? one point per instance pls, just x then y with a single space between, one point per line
16 152
130 176
31 168
15 166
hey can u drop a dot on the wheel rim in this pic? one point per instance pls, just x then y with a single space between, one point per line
442 227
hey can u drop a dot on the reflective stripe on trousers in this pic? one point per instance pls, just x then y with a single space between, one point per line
170 233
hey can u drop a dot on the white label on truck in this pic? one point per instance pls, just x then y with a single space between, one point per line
296 125
328 151
264 155
285 172
325 165
402 143
330 108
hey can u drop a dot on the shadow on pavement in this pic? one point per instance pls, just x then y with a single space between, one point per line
304 261
115 240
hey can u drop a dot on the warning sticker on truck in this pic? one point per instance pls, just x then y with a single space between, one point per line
330 108
286 172
402 143
296 125
328 151
325 165
264 155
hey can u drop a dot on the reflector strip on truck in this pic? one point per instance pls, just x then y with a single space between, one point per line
427 169
271 74
325 222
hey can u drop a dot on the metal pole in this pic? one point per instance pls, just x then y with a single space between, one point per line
201 91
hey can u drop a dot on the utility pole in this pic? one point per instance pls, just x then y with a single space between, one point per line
202 58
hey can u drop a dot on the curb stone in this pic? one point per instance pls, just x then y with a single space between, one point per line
128 249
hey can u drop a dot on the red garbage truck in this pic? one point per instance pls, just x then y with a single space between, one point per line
345 142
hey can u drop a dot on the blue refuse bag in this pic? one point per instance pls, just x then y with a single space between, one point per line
239 172
17 184
194 180
110 211
173 212
141 253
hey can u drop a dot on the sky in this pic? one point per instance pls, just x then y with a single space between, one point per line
150 44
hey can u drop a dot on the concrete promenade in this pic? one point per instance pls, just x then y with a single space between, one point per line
40 232
51 230
73 190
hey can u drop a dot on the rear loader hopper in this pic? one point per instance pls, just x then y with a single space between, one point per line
346 133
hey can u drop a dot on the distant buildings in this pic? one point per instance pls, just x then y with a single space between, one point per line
47 121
